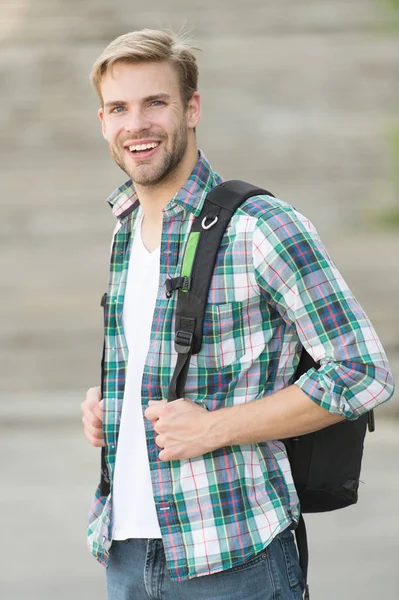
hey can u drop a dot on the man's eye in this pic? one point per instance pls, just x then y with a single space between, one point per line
157 103
117 109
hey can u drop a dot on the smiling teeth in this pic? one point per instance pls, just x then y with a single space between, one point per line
143 147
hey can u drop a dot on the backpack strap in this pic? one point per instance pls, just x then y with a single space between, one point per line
197 270
303 553
193 287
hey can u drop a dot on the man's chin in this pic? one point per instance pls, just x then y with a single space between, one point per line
145 177
140 177
137 177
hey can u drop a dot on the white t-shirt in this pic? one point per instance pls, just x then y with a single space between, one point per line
134 514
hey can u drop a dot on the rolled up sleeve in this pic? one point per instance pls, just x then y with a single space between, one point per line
296 275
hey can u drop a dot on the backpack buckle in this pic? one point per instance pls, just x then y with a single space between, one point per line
206 225
177 283
183 341
186 285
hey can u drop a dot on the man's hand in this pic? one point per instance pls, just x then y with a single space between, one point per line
184 429
92 409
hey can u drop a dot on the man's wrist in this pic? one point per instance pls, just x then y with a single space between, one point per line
219 429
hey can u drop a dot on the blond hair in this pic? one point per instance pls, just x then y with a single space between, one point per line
150 45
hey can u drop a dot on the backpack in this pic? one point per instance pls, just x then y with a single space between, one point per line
325 464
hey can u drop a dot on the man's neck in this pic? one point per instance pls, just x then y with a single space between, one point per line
153 199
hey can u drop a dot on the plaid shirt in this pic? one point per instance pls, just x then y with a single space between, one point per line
274 288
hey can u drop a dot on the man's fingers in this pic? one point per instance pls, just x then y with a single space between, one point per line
92 409
96 431
89 417
154 409
93 394
98 410
160 441
94 441
95 406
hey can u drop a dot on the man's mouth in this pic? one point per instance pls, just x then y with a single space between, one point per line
143 150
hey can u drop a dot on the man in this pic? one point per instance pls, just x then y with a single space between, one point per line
202 502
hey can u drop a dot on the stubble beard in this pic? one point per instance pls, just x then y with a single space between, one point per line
148 175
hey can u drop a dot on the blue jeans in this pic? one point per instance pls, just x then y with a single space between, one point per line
137 571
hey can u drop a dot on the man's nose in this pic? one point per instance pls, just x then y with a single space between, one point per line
136 121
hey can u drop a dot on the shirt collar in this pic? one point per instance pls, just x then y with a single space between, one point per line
190 197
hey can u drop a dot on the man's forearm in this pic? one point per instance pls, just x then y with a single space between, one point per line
287 413
185 430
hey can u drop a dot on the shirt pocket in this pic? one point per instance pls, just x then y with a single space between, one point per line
223 337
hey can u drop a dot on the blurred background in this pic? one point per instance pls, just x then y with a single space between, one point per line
299 96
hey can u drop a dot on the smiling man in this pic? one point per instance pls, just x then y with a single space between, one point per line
200 501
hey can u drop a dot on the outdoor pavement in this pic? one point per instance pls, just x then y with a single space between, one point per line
49 473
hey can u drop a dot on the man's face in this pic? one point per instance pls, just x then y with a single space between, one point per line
144 120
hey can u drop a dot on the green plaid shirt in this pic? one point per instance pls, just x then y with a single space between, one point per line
274 288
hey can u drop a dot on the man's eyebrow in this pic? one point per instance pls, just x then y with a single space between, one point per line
161 96
115 103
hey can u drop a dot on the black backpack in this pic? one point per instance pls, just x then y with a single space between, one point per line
325 464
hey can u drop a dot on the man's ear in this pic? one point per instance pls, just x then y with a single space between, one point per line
194 111
101 117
